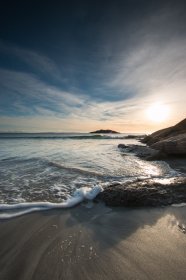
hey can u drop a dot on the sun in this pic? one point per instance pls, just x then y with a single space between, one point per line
158 112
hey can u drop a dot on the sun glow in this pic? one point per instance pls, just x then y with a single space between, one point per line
158 112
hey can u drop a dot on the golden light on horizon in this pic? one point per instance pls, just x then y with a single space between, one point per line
158 112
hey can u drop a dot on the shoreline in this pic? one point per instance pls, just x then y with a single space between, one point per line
97 243
154 192
142 192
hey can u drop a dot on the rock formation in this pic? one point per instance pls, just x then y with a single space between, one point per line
140 151
170 141
148 192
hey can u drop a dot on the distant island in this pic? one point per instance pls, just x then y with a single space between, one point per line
105 131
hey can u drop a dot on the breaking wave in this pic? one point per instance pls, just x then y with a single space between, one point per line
62 136
19 209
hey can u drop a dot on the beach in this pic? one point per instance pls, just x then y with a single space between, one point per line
93 140
96 243
90 240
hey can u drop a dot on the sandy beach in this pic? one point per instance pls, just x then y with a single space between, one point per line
96 243
93 140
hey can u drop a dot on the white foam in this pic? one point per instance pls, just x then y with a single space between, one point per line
88 193
81 194
179 205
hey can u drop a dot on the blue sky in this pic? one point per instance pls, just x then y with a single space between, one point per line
85 65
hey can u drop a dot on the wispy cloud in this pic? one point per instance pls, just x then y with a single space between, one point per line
27 89
137 63
151 67
39 63
34 104
154 68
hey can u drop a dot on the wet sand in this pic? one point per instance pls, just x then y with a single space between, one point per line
97 243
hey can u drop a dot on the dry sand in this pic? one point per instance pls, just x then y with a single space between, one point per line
98 243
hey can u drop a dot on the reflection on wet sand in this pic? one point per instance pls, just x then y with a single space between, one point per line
96 243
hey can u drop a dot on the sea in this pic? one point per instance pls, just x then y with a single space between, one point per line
40 171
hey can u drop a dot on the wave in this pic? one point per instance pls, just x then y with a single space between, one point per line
50 136
19 209
9 158
75 169
183 204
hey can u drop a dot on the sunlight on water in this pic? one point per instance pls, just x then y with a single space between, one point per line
53 169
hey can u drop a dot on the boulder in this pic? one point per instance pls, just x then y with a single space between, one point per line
165 133
175 145
149 192
169 141
122 146
140 151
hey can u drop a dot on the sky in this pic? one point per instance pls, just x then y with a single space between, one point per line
85 65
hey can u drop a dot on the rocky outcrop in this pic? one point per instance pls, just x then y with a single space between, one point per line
144 152
175 145
105 131
166 133
149 192
170 141
152 192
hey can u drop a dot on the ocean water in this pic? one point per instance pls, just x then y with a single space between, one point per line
52 170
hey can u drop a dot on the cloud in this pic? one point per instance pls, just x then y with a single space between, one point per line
27 93
38 62
154 68
150 67
33 105
136 62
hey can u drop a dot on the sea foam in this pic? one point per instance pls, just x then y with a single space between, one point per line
179 205
14 210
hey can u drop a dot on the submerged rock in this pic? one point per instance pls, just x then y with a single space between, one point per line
140 151
122 146
148 192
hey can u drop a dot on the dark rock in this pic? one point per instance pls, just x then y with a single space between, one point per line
166 133
175 145
122 146
169 141
141 151
147 192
